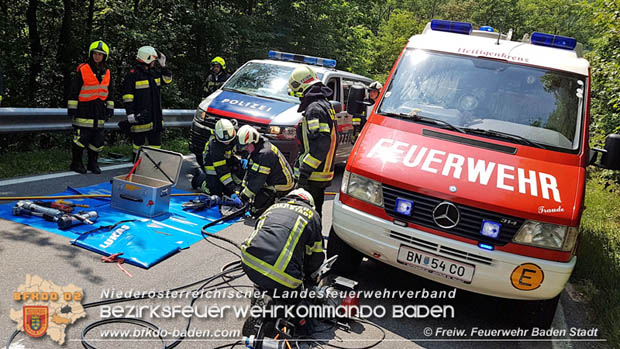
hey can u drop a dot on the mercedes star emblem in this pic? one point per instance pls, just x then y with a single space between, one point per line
446 215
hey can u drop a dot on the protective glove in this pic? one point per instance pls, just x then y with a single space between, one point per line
236 200
136 118
161 59
244 164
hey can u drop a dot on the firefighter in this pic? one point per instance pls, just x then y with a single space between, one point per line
90 106
373 93
269 175
217 76
286 246
221 166
360 120
314 168
142 98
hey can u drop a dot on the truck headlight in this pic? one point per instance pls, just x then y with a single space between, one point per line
547 235
282 132
362 188
199 115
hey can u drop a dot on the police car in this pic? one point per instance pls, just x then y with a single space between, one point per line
257 95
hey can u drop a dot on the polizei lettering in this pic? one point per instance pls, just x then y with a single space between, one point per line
115 235
479 171
246 104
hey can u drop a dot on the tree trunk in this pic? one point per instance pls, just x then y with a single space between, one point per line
89 25
36 51
63 55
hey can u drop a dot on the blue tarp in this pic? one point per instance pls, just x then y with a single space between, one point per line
144 241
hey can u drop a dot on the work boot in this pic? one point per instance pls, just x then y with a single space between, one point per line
76 161
92 165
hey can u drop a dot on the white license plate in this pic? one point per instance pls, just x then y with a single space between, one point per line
435 264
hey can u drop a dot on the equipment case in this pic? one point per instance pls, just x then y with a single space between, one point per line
146 191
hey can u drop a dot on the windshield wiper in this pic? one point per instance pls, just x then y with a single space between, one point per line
418 117
239 91
272 97
504 135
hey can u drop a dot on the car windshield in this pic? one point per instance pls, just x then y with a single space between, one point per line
482 96
263 80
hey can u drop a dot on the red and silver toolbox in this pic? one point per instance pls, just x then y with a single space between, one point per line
146 190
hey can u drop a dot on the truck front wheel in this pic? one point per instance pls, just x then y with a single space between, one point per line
349 259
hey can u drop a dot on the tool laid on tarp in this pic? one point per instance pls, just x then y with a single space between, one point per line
203 202
64 219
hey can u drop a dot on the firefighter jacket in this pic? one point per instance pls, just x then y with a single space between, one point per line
286 245
215 81
89 103
267 167
318 137
142 96
219 159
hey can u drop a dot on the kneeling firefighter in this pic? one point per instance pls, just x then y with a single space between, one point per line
221 166
286 246
268 176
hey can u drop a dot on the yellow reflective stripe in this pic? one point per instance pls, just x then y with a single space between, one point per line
225 179
71 104
247 192
210 170
142 84
356 119
331 153
135 148
142 128
287 174
255 167
96 149
81 122
313 124
128 98
312 161
219 163
291 242
317 247
321 176
110 104
268 270
0 98
167 79
323 127
155 146
158 81
264 170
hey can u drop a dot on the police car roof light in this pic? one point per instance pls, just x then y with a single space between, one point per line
283 56
451 26
556 41
487 28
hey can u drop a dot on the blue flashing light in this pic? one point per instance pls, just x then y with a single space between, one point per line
451 26
556 41
487 28
404 206
283 56
490 228
486 246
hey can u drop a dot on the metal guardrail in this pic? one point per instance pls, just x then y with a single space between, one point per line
13 120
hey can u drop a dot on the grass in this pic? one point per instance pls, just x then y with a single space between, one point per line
57 159
598 258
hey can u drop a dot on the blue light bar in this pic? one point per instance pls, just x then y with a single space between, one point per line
451 26
556 41
291 57
486 246
486 28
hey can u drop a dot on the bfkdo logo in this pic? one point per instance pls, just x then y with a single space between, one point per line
35 320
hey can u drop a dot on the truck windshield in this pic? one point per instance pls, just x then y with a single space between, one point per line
262 80
478 95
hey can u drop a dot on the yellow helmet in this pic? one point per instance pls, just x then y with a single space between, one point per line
220 61
101 47
300 80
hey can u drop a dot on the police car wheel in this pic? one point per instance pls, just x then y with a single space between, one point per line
349 259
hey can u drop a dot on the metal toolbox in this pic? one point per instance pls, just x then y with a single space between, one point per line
146 191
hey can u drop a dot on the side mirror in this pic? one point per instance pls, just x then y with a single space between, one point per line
355 103
337 106
611 156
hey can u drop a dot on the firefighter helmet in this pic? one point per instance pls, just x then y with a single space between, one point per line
101 47
300 80
303 194
220 61
247 135
146 54
224 131
375 86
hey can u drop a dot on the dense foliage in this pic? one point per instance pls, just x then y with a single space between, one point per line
44 40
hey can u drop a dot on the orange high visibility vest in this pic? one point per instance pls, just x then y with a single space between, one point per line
92 89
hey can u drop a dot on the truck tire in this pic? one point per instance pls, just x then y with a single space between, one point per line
349 259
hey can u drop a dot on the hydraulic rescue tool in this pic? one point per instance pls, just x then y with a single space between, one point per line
208 201
63 219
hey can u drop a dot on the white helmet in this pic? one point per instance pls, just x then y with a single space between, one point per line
375 86
302 194
224 131
248 134
300 80
146 54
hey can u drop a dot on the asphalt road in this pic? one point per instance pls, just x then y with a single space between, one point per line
25 250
